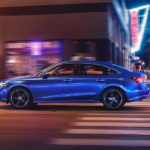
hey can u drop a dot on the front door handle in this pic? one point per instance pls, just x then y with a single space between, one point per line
100 80
67 80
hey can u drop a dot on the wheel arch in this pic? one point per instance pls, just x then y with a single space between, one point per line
19 87
119 88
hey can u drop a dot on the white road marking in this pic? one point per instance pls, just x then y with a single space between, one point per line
116 114
112 119
100 142
107 132
112 124
138 104
93 119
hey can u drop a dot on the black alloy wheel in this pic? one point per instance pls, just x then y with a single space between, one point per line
113 99
20 98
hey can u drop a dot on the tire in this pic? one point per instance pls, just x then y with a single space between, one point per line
113 99
19 98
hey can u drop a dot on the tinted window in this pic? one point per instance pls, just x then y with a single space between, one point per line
95 70
63 70
110 71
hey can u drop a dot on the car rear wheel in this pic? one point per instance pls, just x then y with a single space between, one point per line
113 99
20 98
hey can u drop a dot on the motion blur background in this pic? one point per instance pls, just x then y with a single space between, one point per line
36 34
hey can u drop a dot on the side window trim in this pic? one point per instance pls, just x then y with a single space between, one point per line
61 66
97 65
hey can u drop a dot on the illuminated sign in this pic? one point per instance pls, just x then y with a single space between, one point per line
36 48
134 26
136 33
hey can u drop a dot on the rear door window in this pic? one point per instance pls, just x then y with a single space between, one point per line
95 70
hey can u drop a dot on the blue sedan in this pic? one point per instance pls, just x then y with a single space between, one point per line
76 81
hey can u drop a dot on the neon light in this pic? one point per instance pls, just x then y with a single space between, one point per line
36 48
139 8
134 27
137 46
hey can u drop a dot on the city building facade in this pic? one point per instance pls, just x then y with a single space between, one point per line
36 34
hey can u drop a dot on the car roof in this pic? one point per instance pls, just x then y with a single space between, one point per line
107 64
86 61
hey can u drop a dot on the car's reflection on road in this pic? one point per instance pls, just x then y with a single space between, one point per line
77 107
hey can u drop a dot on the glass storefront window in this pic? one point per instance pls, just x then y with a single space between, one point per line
26 58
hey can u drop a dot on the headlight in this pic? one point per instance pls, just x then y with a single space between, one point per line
3 84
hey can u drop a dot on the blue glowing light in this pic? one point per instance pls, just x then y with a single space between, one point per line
36 48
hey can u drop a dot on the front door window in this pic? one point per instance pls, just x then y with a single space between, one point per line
62 71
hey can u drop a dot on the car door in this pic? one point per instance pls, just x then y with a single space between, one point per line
90 82
58 86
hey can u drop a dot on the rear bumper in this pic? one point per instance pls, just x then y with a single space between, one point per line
138 98
138 95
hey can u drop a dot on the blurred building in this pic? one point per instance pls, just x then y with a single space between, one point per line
35 34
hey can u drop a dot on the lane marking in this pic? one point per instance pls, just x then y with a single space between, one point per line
107 132
115 114
100 142
113 119
112 124
138 104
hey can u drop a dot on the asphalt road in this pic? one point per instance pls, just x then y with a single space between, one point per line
75 126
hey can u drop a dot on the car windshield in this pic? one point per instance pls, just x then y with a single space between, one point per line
41 72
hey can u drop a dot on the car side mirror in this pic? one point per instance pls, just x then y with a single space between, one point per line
45 76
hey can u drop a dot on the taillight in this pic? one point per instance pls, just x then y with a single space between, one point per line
138 79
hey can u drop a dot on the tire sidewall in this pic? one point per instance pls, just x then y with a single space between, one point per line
121 103
27 104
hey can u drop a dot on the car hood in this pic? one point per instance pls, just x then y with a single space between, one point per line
17 78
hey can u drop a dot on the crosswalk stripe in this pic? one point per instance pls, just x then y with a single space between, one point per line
139 102
92 125
112 119
107 114
112 124
107 132
99 142
139 105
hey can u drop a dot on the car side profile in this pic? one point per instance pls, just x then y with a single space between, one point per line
76 81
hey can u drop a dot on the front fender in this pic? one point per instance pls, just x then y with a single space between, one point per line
4 92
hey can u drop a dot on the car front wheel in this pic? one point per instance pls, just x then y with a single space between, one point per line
113 99
20 98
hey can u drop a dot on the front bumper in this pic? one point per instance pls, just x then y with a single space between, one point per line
3 95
